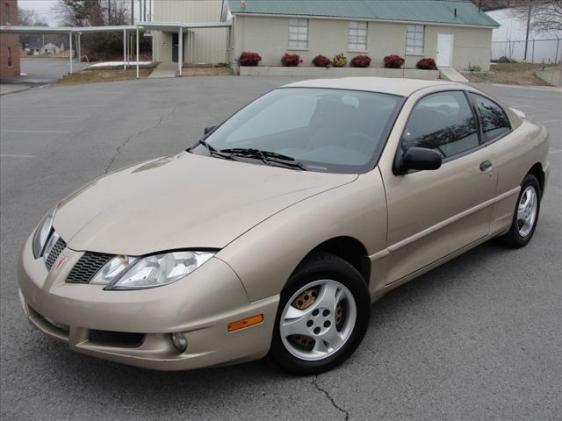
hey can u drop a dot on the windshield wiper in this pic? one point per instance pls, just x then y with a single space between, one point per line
212 151
267 157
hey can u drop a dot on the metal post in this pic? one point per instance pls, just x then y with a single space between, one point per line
70 51
533 52
79 49
124 49
228 43
557 49
180 50
138 73
528 28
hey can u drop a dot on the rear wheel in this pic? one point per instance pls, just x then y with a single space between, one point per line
323 315
526 214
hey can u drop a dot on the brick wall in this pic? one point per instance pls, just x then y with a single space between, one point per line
10 48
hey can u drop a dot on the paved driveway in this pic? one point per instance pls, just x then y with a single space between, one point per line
37 72
479 338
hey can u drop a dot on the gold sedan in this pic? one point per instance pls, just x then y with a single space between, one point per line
279 228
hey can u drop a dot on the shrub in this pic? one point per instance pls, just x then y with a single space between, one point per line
393 61
249 58
504 59
340 60
360 61
290 60
426 64
321 61
474 68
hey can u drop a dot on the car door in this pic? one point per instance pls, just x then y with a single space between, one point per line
432 214
512 149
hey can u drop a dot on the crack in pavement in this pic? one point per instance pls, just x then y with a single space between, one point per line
129 138
330 398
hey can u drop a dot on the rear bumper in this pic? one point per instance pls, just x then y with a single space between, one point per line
200 306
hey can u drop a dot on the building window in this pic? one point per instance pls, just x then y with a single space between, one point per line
298 34
9 56
415 35
357 36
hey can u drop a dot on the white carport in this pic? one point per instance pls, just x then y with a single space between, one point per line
180 28
78 31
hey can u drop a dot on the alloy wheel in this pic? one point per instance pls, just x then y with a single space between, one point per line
318 320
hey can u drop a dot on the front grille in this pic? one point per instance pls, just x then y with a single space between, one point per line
122 339
87 267
57 249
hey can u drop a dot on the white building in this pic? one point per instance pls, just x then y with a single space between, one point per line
453 32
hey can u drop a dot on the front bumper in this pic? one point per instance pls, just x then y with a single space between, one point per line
200 306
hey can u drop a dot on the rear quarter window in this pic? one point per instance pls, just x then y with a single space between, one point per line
493 118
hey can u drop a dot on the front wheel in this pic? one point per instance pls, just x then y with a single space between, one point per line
323 315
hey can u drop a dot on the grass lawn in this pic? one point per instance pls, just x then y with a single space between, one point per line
106 75
206 70
512 74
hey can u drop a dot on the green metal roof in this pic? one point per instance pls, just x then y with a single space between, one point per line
431 11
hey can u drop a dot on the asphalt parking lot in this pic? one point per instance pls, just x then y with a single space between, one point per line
478 338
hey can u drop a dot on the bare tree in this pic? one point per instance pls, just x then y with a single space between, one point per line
92 12
30 18
546 15
98 46
486 5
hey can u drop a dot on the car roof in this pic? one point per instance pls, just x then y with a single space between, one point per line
395 86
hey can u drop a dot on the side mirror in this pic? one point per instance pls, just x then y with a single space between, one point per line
420 159
209 130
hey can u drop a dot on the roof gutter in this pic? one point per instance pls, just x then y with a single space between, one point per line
416 22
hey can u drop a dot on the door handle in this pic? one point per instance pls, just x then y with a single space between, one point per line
486 166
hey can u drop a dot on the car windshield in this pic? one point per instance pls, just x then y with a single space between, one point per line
328 130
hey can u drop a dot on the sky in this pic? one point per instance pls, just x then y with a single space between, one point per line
42 8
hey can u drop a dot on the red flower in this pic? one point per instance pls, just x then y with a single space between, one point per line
360 61
393 61
290 60
321 61
426 64
249 58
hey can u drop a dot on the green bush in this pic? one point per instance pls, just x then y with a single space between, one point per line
474 68
340 60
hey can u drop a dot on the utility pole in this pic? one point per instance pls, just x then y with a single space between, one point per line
528 28
132 12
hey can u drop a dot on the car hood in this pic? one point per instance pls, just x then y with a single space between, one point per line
184 201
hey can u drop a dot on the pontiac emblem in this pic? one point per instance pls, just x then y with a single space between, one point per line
59 262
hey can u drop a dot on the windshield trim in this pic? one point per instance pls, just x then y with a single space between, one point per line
314 166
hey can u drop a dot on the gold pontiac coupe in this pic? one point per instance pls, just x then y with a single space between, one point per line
279 228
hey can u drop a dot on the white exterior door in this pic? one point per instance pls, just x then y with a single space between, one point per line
444 49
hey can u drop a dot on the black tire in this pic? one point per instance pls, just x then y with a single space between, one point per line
513 238
322 266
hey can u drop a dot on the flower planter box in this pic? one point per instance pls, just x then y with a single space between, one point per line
332 72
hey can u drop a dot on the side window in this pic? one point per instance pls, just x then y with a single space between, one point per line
492 117
443 121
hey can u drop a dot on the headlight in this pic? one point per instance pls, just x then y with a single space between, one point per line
42 234
123 272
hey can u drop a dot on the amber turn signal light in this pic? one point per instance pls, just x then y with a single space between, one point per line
247 322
